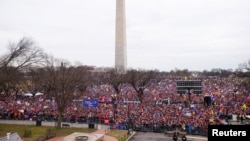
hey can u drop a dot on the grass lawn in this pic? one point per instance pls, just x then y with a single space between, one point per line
37 131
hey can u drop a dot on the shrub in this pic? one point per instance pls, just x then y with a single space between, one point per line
27 133
50 134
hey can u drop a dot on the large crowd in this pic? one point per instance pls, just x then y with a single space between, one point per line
228 97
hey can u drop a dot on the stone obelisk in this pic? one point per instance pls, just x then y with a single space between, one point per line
120 37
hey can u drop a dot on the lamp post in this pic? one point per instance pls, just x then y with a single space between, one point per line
227 114
114 103
234 93
129 119
128 125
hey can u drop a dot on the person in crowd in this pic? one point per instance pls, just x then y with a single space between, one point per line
147 114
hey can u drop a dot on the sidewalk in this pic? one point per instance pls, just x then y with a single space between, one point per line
106 137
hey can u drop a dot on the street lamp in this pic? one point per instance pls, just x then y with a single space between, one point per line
114 103
227 114
234 93
128 119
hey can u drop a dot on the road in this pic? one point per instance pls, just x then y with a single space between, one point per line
149 136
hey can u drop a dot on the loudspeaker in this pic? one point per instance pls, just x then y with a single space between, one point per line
91 126
38 123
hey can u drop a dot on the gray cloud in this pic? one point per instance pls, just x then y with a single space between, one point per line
164 35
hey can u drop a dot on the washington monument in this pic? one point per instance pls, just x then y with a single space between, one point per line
120 37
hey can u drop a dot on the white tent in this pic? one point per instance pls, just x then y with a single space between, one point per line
38 93
28 94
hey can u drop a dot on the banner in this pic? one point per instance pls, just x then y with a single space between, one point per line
90 103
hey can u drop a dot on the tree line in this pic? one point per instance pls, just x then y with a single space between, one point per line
27 68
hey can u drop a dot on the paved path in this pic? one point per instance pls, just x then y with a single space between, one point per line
99 131
150 136
106 137
55 139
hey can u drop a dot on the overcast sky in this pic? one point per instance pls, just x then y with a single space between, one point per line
161 34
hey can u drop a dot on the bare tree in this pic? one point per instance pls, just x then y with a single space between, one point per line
64 83
17 61
244 73
115 79
245 66
139 80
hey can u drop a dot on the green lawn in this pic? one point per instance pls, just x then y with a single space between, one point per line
37 131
